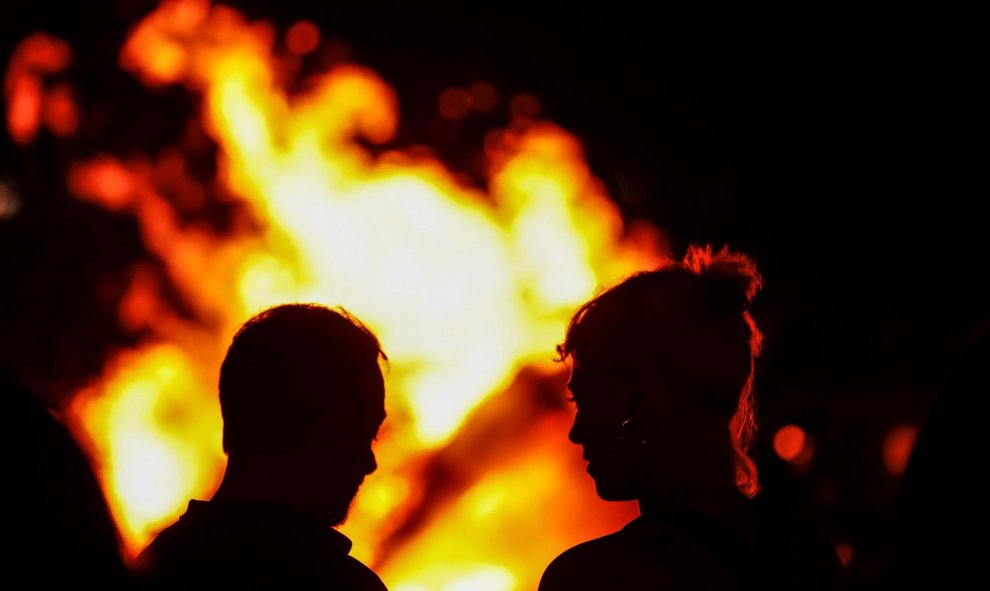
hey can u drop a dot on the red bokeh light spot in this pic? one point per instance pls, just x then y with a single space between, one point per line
792 444
302 38
897 448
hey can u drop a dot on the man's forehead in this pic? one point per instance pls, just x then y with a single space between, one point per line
374 392
372 383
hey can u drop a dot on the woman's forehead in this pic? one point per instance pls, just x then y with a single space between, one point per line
609 360
584 376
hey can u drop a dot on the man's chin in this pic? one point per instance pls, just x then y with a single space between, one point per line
338 517
610 492
339 513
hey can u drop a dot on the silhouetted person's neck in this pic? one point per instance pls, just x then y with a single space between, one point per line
704 478
277 479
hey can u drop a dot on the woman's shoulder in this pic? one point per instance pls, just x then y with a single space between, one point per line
602 563
602 548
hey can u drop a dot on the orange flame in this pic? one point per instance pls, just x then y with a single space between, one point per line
465 289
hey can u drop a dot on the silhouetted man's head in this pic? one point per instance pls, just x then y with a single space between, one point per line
302 383
662 370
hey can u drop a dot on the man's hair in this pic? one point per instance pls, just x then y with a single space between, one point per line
289 365
691 318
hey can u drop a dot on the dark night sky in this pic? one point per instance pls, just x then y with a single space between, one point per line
834 147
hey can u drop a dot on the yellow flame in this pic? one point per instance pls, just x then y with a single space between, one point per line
156 426
480 577
463 287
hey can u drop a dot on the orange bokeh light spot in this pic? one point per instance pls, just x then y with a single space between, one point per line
792 444
455 103
897 448
303 37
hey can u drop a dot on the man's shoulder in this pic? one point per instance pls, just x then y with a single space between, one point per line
213 545
191 529
360 576
177 552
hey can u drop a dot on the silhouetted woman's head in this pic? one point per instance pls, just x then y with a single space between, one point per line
662 372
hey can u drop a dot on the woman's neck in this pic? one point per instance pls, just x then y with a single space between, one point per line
702 475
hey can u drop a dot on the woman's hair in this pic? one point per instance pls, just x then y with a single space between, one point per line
691 318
